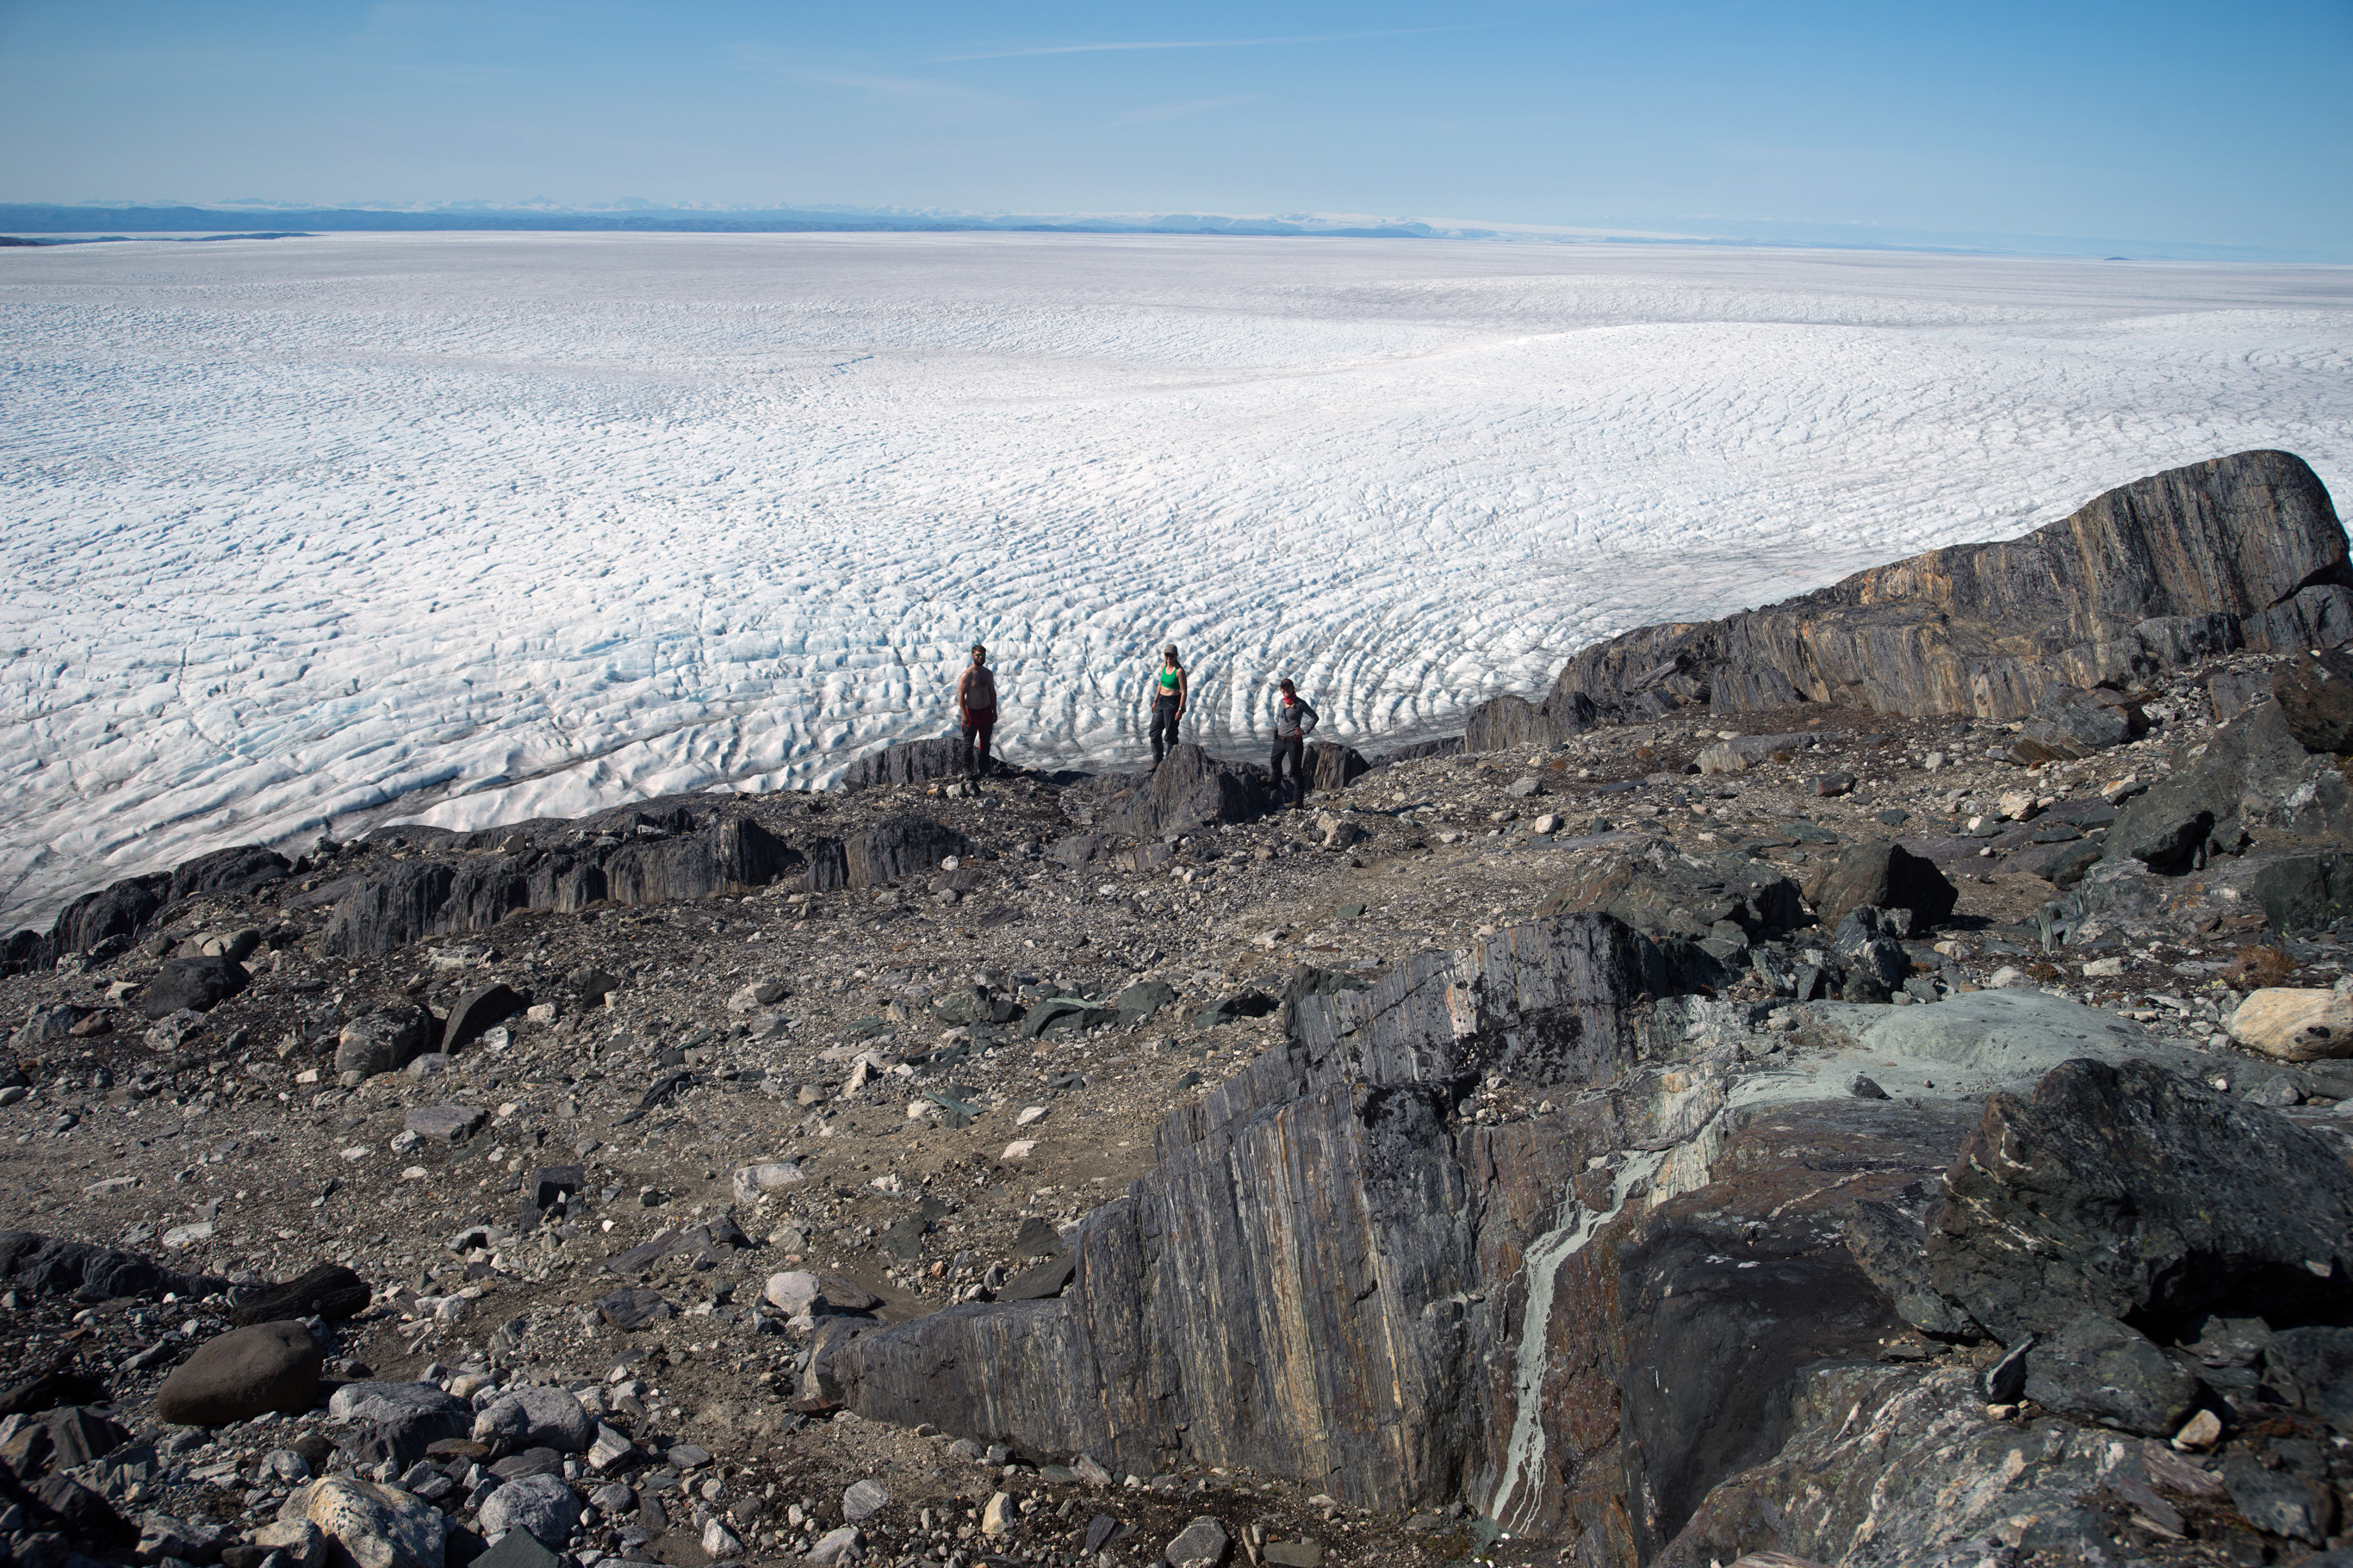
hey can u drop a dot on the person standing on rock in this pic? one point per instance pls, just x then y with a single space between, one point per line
976 710
1294 720
1165 694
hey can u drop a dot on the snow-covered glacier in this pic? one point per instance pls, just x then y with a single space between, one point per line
322 532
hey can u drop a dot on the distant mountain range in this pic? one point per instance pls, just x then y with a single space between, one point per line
635 217
239 220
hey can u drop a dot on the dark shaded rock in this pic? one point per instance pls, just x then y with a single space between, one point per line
1306 980
1663 894
2249 778
2137 1194
1189 790
1141 1000
2068 724
383 1041
2279 1502
478 1010
2300 893
1037 1240
85 1514
546 1187
391 910
1044 1282
329 1292
972 1004
910 762
634 1308
1451 746
63 1439
2314 694
1513 723
2313 1369
1064 1013
1892 1246
240 1375
46 1388
2096 1368
1883 876
2243 551
1229 1009
2235 692
1330 765
901 847
589 987
199 984
425 898
1075 850
247 869
51 1265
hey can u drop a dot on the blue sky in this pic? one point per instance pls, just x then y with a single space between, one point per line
2137 126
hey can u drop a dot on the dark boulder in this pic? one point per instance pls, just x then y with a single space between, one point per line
391 910
119 910
247 869
65 1439
1659 892
1190 789
51 1265
480 1010
2251 778
1330 765
1306 980
910 762
241 1374
1892 1246
2141 1196
2096 1368
1885 876
383 1041
2069 724
2314 694
2311 1368
86 1515
329 1292
2301 893
899 848
194 983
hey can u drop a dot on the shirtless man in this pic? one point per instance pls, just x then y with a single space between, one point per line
976 710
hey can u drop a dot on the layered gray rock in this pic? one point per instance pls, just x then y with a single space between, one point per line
2238 551
910 762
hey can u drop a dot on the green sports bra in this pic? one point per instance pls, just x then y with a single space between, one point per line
1169 678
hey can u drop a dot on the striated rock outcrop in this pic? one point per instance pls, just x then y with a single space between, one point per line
2238 551
1190 789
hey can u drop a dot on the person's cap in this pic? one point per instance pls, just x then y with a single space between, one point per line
1288 687
1171 648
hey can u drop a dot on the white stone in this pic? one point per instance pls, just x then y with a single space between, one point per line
751 1182
1019 1149
863 1500
1030 1115
791 1291
720 1542
2104 968
997 1519
2293 1024
375 1526
834 1545
2006 977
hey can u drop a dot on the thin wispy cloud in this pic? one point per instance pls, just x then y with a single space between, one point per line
1186 110
1184 44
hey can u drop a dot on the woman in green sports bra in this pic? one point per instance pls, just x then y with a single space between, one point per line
1166 692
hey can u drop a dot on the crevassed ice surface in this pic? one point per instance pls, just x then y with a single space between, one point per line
476 528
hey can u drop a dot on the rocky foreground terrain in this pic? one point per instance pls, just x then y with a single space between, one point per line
1661 1135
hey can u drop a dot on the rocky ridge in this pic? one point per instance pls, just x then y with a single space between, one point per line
1565 1150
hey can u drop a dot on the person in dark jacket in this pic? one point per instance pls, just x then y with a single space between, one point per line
1294 720
976 710
1165 694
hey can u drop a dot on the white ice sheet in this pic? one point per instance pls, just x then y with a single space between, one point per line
481 526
